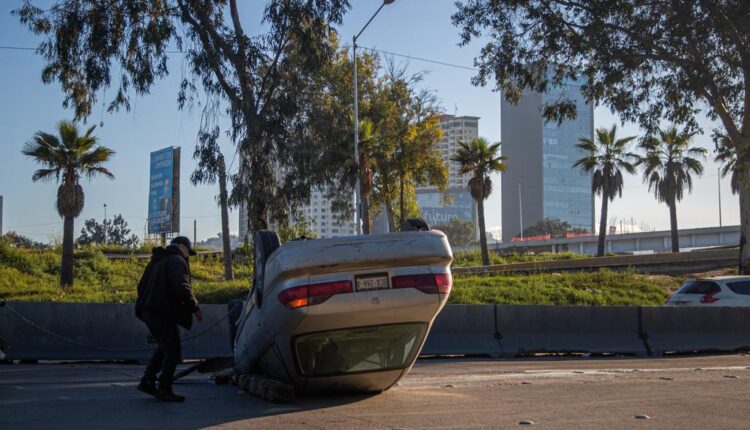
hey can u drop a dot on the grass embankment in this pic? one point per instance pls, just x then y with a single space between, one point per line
32 275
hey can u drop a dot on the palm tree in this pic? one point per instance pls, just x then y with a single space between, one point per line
66 159
726 154
669 162
480 158
606 157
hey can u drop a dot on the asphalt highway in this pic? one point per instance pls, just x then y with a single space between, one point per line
680 392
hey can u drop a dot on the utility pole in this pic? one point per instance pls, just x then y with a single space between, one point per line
195 231
520 209
105 223
1 215
719 184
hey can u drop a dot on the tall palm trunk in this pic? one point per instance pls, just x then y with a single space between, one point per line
223 198
66 269
673 225
482 233
603 225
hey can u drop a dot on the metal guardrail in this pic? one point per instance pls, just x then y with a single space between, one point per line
148 256
651 263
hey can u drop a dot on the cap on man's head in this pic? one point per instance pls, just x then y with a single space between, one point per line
184 241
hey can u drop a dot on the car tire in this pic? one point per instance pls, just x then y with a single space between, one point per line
265 242
415 224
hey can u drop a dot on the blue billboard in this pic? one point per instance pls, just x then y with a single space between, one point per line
163 193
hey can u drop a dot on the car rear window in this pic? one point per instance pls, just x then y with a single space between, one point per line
356 350
741 287
700 287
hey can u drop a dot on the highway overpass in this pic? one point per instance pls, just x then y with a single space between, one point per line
645 242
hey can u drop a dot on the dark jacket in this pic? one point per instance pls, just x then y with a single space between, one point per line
164 288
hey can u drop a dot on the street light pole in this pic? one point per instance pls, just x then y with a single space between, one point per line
719 184
105 223
357 195
520 208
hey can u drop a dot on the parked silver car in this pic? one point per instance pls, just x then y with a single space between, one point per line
716 291
344 314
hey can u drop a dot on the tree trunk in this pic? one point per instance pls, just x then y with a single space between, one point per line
365 187
66 266
365 212
401 209
482 233
673 226
223 198
602 225
391 219
744 193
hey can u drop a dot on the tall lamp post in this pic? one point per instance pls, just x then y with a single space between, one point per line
357 197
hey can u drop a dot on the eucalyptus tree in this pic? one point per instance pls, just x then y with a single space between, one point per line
606 157
259 75
481 159
669 163
67 158
647 60
212 168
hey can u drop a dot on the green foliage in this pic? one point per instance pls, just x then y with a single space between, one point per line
113 231
262 81
20 241
551 226
300 228
30 275
601 288
459 232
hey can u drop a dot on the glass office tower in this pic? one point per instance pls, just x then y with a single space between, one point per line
541 181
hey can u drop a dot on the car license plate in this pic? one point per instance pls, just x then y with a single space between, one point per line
372 282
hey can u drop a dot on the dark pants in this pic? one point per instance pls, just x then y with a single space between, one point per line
167 355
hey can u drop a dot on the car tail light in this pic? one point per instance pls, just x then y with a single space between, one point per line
709 297
438 283
308 295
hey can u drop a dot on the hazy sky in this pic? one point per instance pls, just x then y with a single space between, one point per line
419 28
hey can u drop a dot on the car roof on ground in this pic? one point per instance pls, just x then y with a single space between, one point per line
723 278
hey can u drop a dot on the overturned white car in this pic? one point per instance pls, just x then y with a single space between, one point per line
346 314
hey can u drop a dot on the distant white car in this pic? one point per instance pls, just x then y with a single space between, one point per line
717 291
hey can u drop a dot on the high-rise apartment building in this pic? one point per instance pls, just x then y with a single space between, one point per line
436 209
540 181
322 220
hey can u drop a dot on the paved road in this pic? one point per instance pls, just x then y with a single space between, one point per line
683 392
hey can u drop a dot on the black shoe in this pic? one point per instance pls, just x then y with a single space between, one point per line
169 396
147 387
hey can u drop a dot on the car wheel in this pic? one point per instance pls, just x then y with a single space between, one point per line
265 242
415 224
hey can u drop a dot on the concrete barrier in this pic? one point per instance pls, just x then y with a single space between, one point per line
593 329
85 331
463 330
82 331
695 329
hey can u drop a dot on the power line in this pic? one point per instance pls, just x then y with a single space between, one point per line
426 60
395 54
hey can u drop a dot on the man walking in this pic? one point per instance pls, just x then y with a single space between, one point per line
166 300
